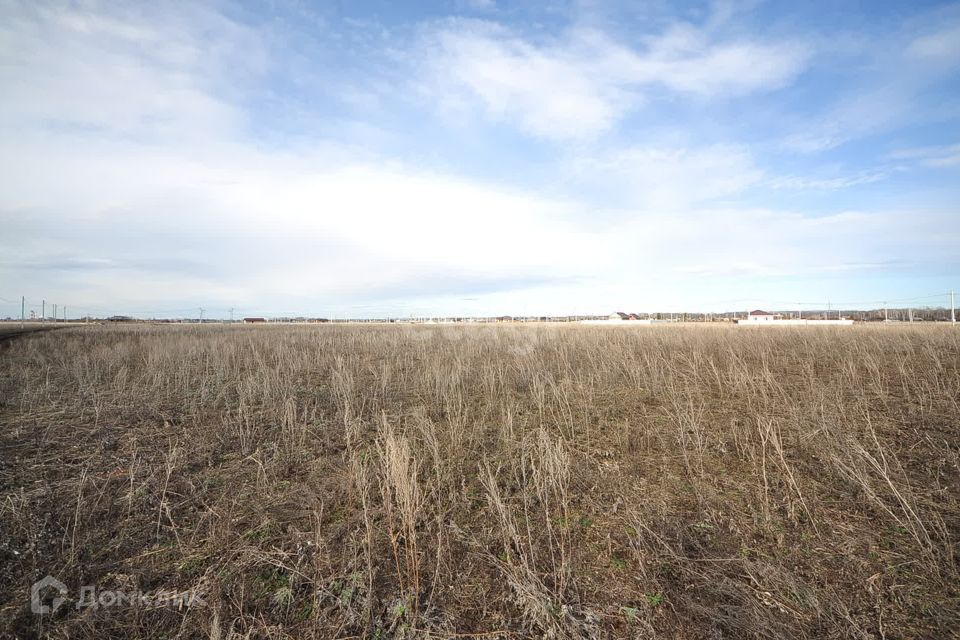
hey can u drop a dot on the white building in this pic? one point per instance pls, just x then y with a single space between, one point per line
762 316
759 318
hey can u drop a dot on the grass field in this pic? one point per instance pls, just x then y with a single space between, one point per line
15 329
495 482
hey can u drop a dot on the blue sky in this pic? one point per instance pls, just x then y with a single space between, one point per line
477 157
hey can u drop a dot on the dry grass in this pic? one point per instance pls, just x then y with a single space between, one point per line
528 481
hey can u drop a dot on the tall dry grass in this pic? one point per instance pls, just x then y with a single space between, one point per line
508 481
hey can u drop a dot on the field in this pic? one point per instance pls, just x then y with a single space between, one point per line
392 481
11 330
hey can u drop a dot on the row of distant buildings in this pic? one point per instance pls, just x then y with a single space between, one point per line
755 317
759 317
426 319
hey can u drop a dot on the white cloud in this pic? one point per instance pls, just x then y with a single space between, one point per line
865 112
257 227
581 85
687 60
478 5
232 225
942 45
898 80
826 184
772 243
669 178
545 92
943 156
267 231
130 72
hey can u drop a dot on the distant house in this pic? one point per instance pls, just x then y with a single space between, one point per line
762 316
253 320
619 315
758 318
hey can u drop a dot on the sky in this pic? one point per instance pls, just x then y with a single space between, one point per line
477 157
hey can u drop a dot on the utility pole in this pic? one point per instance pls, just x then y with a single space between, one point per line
54 312
910 313
201 315
953 313
23 306
231 315
43 311
885 317
64 313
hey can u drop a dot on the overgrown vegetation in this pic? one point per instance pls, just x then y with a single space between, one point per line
526 481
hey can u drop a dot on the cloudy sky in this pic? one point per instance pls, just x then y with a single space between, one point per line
476 157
